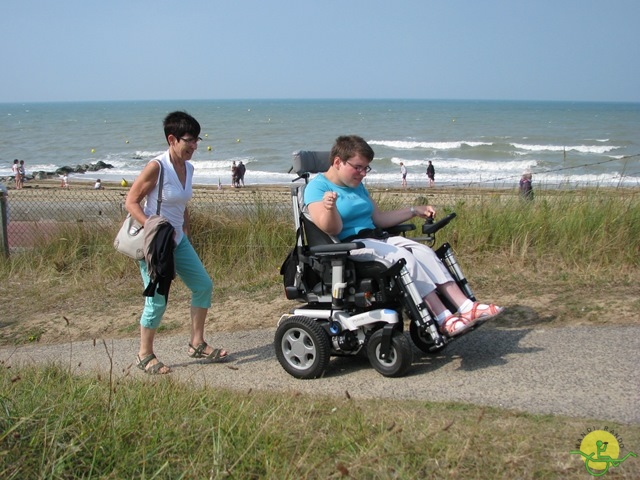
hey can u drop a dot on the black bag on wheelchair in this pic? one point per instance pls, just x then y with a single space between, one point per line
298 278
289 268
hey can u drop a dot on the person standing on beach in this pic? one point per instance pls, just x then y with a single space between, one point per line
234 175
23 173
431 174
15 169
525 187
242 169
182 135
403 172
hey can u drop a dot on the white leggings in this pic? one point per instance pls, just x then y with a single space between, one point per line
425 268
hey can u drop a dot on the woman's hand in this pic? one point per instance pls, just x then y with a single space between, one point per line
325 214
424 211
329 200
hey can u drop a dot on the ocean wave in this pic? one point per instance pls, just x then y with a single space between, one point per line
147 154
410 145
503 177
507 179
467 165
599 149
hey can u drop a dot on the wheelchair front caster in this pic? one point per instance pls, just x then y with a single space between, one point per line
302 347
423 340
400 357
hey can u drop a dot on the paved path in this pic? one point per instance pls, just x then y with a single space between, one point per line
575 371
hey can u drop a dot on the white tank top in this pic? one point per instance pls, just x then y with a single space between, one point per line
174 196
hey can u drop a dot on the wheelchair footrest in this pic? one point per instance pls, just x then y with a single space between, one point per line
291 293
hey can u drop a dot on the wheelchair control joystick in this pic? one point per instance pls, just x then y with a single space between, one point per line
427 230
430 227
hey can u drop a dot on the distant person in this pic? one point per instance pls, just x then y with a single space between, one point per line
64 181
234 175
23 174
525 187
242 169
431 174
98 185
403 172
15 169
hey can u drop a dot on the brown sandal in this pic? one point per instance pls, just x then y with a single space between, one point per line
213 357
153 369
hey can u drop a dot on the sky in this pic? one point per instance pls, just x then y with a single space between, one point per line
84 50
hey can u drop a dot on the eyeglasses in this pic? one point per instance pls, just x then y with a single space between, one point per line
359 168
191 140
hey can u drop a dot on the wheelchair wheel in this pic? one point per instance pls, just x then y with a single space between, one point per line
302 347
423 340
399 360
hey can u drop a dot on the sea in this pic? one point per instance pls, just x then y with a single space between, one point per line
470 143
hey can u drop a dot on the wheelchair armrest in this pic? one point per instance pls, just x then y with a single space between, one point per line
402 228
431 228
335 248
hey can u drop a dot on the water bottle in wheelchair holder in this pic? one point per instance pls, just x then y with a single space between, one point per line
445 253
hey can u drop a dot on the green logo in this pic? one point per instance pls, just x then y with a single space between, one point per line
600 450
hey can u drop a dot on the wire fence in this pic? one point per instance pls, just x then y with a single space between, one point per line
37 214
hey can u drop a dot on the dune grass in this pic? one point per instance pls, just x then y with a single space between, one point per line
586 233
587 239
54 425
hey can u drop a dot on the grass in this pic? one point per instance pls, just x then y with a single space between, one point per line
589 237
55 425
581 249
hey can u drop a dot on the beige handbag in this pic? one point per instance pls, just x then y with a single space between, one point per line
130 237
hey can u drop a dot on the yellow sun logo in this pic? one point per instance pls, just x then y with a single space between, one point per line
600 451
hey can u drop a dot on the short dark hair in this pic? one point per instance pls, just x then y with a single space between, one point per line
179 124
348 146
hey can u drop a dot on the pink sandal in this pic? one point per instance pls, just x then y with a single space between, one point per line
481 314
455 325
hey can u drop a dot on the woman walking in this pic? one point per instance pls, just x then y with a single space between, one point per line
182 134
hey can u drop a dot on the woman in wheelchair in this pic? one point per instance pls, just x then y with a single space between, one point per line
340 205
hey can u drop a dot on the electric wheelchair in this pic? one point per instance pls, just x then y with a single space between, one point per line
349 306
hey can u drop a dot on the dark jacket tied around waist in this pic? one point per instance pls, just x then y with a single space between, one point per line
159 245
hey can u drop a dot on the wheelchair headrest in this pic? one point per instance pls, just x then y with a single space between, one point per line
306 161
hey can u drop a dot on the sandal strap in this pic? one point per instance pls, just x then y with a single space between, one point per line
449 325
143 362
155 368
215 355
198 352
489 311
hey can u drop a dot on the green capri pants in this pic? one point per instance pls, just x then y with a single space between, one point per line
191 271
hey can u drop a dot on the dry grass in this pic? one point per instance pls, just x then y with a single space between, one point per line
553 263
80 427
568 258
